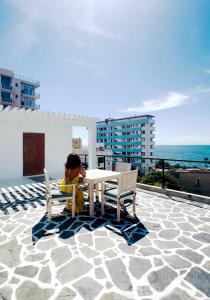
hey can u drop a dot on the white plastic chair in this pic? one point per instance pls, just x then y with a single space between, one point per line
53 194
126 188
122 166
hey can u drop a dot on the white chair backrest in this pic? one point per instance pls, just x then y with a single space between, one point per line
122 166
47 182
127 181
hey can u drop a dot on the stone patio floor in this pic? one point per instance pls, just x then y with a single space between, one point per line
162 254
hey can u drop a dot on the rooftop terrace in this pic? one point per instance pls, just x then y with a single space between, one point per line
162 254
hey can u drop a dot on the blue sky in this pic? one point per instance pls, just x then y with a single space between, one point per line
116 58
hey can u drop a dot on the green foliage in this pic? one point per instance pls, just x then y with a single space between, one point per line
155 178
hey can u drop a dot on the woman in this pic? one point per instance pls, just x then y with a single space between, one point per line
73 172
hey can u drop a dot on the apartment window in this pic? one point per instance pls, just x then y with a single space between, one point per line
16 96
151 139
6 97
151 153
143 131
142 125
151 146
142 153
151 131
143 139
197 181
143 146
16 84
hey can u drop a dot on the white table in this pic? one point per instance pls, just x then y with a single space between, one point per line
96 176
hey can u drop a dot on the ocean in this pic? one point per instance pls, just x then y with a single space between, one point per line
188 152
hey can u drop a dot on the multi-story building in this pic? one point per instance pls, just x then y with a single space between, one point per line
76 143
17 91
132 137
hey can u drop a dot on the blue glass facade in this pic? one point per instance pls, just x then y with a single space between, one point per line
28 90
124 136
6 82
28 102
6 97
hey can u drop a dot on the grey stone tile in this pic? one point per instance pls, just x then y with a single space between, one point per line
86 239
30 290
88 288
100 274
189 242
45 274
178 294
169 224
176 262
103 243
168 244
66 294
61 255
127 249
46 245
185 226
207 265
35 257
206 251
191 255
162 278
3 277
200 279
202 237
144 291
5 293
152 226
72 270
10 253
147 251
114 296
27 271
88 252
118 273
139 266
169 234
157 262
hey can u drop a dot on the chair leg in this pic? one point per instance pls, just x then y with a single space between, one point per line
118 210
102 199
47 204
49 209
73 207
134 204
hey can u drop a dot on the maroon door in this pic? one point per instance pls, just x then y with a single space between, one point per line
33 153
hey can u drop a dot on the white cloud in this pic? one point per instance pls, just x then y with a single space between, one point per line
60 17
172 99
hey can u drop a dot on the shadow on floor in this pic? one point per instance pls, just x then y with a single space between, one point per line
18 205
130 228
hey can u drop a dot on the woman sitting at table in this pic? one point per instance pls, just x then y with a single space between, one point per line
73 173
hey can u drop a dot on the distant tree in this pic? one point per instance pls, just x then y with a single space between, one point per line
155 178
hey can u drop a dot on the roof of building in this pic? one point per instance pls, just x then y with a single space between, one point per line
126 118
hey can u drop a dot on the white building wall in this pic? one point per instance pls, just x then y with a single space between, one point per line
58 139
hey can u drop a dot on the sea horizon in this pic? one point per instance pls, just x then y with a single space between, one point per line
183 152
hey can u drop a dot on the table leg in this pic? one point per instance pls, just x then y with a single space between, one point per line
91 200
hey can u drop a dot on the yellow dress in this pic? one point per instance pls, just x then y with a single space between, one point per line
79 197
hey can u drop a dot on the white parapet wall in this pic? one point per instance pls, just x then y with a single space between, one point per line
57 128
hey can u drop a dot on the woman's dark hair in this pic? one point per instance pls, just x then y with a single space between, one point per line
73 161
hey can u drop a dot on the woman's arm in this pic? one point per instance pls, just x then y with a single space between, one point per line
82 171
67 172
